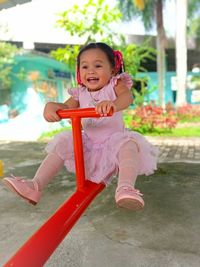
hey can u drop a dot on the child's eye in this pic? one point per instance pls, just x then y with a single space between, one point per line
84 67
98 66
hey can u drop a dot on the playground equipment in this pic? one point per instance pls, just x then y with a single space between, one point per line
36 251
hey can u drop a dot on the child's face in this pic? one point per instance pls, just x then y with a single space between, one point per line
95 69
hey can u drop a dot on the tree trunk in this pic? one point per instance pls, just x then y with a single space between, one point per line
161 41
181 51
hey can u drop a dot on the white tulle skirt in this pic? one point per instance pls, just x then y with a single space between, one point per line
100 159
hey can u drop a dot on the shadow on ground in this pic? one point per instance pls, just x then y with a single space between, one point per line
165 233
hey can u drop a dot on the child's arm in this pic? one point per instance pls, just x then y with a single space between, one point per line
124 96
50 109
123 100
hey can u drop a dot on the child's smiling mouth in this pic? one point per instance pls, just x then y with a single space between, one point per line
92 80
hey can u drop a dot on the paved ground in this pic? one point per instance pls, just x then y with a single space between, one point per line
164 234
178 149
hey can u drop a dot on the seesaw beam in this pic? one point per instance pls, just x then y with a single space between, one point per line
36 251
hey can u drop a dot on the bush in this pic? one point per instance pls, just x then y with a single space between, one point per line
150 118
7 61
188 113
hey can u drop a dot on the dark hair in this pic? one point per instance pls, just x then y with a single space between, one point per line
106 49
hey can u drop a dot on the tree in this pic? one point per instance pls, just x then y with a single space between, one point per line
185 12
181 50
92 22
7 53
146 10
193 25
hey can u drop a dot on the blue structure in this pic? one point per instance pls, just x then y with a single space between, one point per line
192 92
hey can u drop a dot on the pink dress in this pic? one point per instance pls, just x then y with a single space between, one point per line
102 138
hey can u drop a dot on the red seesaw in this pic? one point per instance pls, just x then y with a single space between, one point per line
36 251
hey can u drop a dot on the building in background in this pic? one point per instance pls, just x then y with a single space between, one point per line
42 79
31 25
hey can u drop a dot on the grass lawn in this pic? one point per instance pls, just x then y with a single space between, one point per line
179 132
189 131
48 135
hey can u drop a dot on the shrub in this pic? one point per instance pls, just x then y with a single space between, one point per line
188 113
150 118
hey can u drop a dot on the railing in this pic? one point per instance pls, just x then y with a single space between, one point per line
36 251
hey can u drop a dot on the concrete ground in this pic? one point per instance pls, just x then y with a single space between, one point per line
165 234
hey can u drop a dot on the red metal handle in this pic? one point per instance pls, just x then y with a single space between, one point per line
81 113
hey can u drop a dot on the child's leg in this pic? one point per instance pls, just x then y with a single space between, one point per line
31 189
50 166
126 195
128 164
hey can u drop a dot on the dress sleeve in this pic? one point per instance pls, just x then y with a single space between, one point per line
125 77
74 92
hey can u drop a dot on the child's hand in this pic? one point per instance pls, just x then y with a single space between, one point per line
104 107
50 112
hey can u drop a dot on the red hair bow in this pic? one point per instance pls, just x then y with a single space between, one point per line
119 63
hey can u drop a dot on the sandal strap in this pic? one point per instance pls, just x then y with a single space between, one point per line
35 184
129 189
17 178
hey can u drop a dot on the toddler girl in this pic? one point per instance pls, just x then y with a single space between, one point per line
109 148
